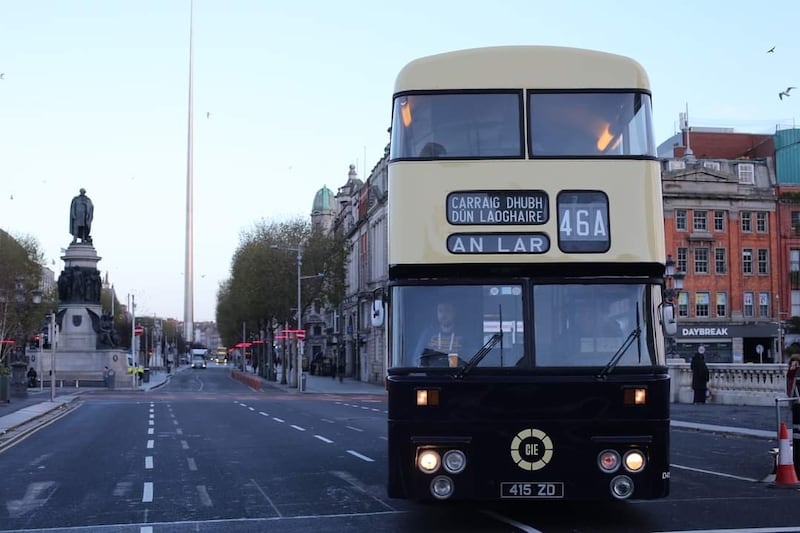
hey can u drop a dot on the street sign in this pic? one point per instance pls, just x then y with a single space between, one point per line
138 331
301 334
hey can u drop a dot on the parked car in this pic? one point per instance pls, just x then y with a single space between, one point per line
198 362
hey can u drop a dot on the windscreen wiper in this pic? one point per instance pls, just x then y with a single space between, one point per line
633 335
480 354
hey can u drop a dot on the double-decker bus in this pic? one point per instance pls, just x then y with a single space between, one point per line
525 303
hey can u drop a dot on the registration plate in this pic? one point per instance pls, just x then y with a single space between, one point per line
536 489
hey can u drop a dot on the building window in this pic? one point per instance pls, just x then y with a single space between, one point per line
683 304
747 221
796 223
680 219
795 303
762 222
683 259
701 260
763 261
747 173
794 270
719 220
701 304
747 261
748 304
700 219
720 261
713 165
722 304
763 304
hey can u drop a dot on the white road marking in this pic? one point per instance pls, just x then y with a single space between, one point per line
152 415
524 527
362 457
680 467
150 431
251 408
358 485
122 488
376 410
383 438
355 429
175 422
323 439
151 422
262 413
278 419
150 444
269 500
192 464
146 529
298 428
147 492
36 495
184 445
204 497
328 420
148 462
179 431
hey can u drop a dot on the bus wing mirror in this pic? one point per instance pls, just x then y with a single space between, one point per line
668 319
377 312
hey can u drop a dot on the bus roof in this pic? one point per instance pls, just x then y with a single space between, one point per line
522 67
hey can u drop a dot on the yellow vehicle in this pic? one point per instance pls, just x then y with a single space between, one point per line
220 355
525 302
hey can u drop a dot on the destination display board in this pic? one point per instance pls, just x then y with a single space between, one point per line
582 218
583 224
528 207
498 243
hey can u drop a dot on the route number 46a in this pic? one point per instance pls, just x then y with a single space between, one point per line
585 224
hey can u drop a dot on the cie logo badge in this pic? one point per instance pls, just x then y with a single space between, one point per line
531 449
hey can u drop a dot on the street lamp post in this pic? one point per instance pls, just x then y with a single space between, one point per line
674 285
299 364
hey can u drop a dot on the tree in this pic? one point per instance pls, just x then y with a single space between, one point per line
20 278
262 290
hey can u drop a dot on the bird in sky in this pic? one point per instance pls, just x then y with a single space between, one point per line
208 114
786 92
2 75
771 50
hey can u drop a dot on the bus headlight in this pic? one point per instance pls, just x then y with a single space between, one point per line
454 461
621 487
428 461
608 461
634 461
442 487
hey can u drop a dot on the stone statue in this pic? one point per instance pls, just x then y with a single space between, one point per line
81 212
103 326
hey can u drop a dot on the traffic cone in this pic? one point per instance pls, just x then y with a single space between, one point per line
785 475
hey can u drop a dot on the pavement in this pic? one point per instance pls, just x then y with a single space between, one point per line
752 421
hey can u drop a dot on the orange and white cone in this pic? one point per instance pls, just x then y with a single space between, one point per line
785 475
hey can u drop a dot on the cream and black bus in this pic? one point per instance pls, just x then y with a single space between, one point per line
525 304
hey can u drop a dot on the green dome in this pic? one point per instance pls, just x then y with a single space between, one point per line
324 200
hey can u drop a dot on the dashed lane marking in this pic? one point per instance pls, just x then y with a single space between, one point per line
147 492
362 457
323 439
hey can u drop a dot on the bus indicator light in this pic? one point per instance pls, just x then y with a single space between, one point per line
635 396
427 397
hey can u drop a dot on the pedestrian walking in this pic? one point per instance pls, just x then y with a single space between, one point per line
700 376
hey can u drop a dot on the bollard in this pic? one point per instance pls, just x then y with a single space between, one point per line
796 433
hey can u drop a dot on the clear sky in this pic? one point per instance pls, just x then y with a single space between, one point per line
287 95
